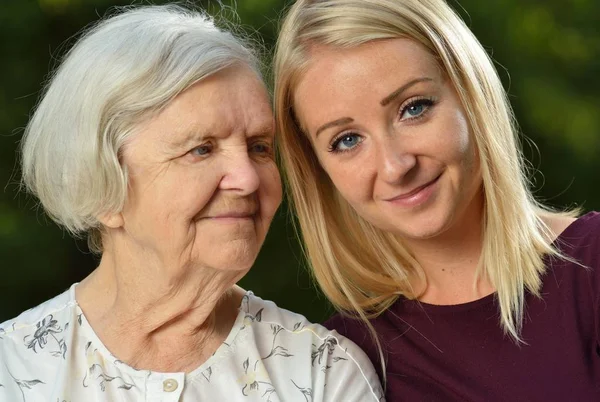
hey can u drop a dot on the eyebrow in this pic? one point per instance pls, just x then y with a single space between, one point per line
192 137
338 122
186 139
385 101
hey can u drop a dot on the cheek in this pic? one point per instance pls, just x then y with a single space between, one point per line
196 191
464 141
351 179
183 192
458 147
467 149
461 155
143 189
352 174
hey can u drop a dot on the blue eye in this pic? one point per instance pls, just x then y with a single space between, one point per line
416 108
202 150
260 148
345 142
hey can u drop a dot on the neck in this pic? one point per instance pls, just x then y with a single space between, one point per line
159 315
450 261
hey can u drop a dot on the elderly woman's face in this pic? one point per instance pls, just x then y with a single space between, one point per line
204 185
389 130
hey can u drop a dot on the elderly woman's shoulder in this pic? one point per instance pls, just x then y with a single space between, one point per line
32 339
286 338
33 326
266 314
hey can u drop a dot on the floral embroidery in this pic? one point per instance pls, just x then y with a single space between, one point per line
270 360
103 378
27 384
277 350
24 384
249 318
306 392
97 372
48 327
328 346
207 373
251 379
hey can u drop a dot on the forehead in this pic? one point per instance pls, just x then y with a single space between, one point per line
232 96
231 101
367 69
400 55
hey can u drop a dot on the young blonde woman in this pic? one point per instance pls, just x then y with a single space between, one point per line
403 166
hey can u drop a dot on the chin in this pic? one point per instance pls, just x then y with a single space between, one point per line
426 234
424 227
228 265
235 261
230 252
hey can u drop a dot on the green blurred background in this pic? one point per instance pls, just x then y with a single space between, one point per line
547 52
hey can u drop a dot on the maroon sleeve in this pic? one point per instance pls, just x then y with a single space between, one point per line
583 245
591 259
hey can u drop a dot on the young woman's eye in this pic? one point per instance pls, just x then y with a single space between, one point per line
416 108
345 142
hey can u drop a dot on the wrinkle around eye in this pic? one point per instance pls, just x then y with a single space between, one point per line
261 147
206 149
200 152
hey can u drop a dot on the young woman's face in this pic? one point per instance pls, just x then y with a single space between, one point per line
389 130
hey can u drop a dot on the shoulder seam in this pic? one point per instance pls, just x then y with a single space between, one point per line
338 346
11 328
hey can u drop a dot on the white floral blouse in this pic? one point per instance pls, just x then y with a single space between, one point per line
51 353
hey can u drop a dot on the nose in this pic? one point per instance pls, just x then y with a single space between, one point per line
394 160
240 174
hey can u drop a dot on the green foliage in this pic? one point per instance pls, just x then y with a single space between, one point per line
551 50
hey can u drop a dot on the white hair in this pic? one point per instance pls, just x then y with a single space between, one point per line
123 69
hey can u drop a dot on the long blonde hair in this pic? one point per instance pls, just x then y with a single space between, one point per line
361 269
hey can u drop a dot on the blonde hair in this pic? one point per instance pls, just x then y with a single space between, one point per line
360 268
120 71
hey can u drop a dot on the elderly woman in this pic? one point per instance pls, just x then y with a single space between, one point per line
413 202
155 135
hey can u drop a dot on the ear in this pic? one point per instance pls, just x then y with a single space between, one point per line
112 220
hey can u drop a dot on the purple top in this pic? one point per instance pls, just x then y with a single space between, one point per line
459 352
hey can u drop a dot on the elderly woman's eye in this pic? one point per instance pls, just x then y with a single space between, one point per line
202 150
260 148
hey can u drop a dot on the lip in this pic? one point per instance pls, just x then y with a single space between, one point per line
233 216
416 196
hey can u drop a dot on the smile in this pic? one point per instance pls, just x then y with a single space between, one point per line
416 196
231 217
